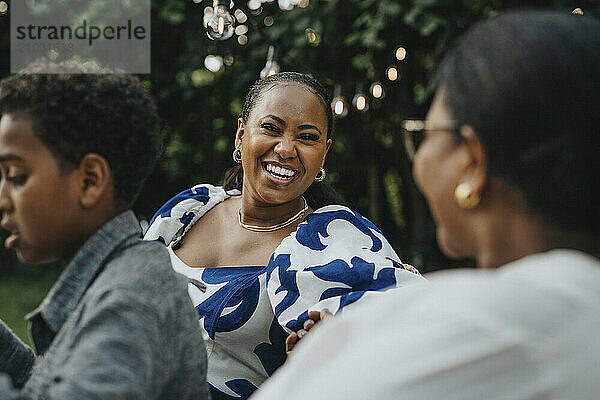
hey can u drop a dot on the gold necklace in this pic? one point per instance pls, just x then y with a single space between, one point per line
271 228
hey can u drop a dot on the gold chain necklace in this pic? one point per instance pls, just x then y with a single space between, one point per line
271 228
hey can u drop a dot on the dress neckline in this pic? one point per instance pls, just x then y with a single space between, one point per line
175 258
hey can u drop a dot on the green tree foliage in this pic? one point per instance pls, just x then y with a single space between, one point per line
337 41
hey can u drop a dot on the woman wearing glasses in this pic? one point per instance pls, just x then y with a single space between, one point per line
272 244
509 166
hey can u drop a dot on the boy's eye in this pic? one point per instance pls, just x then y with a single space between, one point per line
17 179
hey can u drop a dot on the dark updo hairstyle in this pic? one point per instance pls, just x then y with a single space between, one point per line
529 85
318 194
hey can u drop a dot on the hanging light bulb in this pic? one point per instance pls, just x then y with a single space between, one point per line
339 105
272 64
220 25
377 91
400 53
360 100
392 73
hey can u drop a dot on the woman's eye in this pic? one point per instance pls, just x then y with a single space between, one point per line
309 136
270 128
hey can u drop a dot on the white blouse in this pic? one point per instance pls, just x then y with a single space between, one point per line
529 330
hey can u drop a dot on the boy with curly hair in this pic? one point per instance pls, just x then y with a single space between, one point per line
75 150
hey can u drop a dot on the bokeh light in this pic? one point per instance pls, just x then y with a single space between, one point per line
377 90
285 5
240 16
392 73
254 5
241 30
313 37
213 63
361 103
400 53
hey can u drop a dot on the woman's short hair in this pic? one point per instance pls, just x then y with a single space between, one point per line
529 85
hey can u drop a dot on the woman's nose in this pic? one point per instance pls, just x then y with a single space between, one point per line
286 148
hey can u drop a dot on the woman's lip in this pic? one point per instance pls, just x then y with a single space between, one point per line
277 180
11 240
275 163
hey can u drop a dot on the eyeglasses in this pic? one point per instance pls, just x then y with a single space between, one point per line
413 132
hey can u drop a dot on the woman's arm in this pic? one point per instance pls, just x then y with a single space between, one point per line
335 257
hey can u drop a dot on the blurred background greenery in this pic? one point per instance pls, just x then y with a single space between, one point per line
200 84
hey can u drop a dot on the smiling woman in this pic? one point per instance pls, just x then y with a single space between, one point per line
273 243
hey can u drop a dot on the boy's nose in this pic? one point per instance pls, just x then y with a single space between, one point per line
5 203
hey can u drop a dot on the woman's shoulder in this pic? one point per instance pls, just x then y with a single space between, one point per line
180 212
322 217
333 230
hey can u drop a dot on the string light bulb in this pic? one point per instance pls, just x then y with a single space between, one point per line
360 100
400 53
339 105
220 25
392 73
377 91
272 64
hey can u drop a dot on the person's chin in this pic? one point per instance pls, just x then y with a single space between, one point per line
277 192
27 256
449 248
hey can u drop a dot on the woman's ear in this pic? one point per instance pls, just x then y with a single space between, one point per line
95 180
476 159
328 146
239 133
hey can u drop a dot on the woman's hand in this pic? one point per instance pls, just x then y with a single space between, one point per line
313 318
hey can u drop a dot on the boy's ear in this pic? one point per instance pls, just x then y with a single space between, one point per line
95 180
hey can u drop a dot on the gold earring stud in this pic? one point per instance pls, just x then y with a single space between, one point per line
466 196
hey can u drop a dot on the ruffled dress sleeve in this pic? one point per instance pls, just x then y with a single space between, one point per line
173 220
334 258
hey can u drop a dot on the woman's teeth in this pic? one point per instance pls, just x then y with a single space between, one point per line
280 172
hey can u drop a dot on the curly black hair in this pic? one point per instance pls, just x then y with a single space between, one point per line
89 111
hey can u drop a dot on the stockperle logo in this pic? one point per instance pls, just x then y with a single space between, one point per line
114 33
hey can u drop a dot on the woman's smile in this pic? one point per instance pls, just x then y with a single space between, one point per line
279 173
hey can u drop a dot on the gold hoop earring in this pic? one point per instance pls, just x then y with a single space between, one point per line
320 175
237 156
466 196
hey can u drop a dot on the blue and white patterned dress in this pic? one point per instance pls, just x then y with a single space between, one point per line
333 258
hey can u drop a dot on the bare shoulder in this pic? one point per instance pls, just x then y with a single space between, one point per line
203 243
